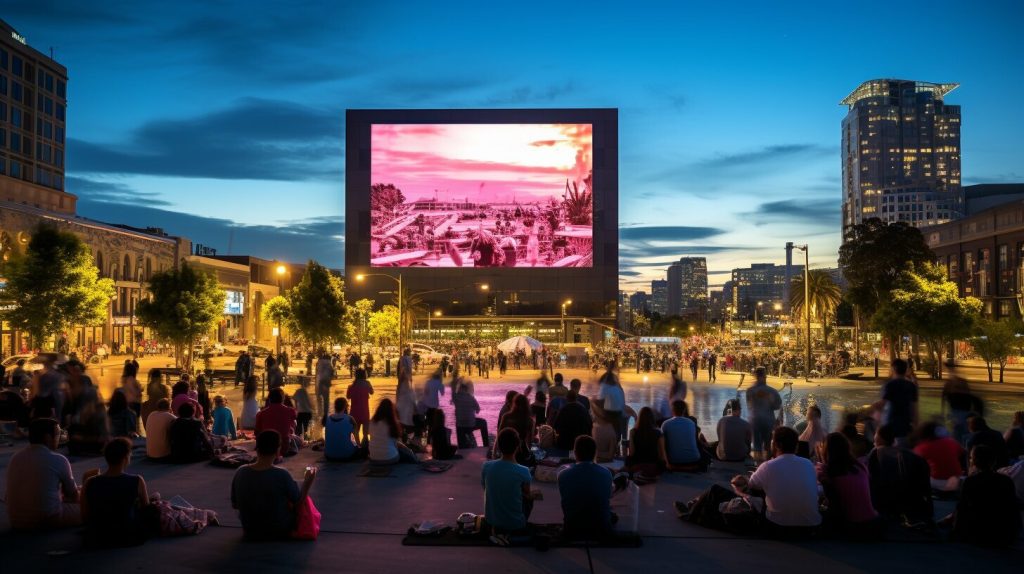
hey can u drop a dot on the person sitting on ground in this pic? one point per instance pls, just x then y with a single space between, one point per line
508 501
385 430
84 413
586 489
340 442
521 419
558 389
645 449
466 420
158 425
123 421
41 489
358 395
814 434
571 421
539 409
943 455
1016 473
899 479
223 419
113 499
734 434
679 445
987 513
789 485
250 406
982 434
265 495
441 447
180 395
188 439
278 417
606 437
860 446
576 385
510 398
845 482
1014 437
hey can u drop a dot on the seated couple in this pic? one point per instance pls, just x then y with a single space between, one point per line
585 490
179 439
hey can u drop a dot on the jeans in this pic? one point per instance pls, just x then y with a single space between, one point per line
465 434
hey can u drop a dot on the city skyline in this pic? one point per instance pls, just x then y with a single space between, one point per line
250 110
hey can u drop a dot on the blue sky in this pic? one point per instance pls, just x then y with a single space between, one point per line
223 121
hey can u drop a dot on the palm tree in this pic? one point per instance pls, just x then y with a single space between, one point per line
823 294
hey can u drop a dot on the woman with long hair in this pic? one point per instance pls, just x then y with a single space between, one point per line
844 480
123 422
250 406
521 419
155 390
385 432
644 452
815 432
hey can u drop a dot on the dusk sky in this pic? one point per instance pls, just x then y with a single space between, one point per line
224 121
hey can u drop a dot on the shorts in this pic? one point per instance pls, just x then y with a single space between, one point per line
762 431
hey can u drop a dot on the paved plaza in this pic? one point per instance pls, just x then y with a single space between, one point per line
365 518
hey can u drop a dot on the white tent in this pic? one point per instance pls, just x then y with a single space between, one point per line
520 342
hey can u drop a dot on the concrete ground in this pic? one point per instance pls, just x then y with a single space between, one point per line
364 520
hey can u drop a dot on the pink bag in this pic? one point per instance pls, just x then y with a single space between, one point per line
307 521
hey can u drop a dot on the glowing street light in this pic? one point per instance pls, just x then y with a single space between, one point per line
564 305
281 270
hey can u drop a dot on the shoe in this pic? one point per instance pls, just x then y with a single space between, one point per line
500 540
681 509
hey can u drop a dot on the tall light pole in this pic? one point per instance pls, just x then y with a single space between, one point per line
564 305
401 327
756 308
131 307
281 270
807 308
436 313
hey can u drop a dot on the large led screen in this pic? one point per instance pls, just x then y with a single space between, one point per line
481 195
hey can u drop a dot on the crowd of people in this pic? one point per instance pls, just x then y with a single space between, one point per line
851 481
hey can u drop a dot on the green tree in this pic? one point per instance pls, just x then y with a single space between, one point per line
55 285
931 307
824 296
356 317
382 326
318 305
385 197
184 304
995 342
278 312
874 255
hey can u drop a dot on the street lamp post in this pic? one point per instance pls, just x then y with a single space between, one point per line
281 270
564 305
807 308
756 308
398 280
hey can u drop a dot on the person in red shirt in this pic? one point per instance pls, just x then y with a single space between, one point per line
276 416
944 456
358 395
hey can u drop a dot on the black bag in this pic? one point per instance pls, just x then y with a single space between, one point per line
703 510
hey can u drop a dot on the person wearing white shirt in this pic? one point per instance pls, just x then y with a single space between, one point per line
790 487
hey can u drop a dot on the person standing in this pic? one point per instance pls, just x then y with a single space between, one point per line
243 367
324 374
614 400
899 402
762 402
358 395
712 367
275 377
432 393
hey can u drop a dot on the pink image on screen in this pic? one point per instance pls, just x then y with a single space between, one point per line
481 195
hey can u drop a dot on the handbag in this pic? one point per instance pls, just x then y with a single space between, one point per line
307 521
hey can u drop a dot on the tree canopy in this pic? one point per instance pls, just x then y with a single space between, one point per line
873 257
278 311
55 285
927 304
995 341
383 325
184 304
318 305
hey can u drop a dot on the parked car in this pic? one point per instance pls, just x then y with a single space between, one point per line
427 353
10 363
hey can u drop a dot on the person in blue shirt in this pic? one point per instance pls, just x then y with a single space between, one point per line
339 433
507 497
679 444
223 419
586 491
